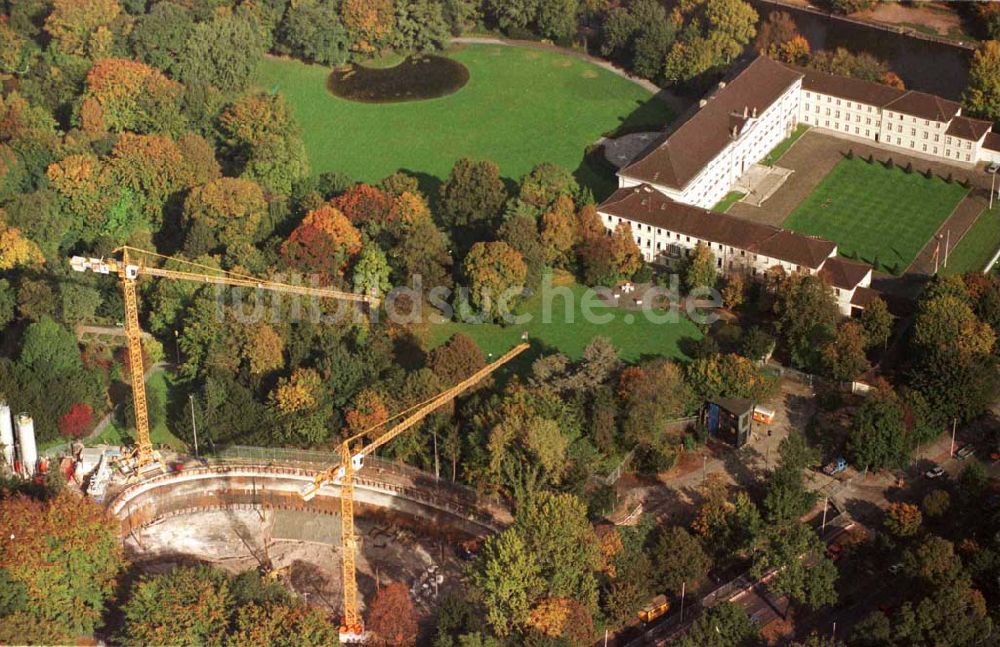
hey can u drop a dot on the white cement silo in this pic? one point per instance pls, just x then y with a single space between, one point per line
7 434
27 451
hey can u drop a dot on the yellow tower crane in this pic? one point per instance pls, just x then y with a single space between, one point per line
351 462
129 268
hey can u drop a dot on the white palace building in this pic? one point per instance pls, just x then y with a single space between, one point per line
666 192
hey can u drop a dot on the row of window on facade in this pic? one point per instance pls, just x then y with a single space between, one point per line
864 107
647 243
899 140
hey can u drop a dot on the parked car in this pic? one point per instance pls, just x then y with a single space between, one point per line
993 168
964 452
934 473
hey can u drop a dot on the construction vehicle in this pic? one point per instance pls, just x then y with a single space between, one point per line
352 460
133 265
836 466
654 609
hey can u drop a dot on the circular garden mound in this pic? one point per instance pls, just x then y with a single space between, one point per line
416 78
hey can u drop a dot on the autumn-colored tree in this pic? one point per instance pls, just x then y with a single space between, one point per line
152 166
367 412
903 519
844 356
298 392
369 23
559 231
129 95
589 225
728 375
734 289
222 213
556 617
65 558
200 164
392 616
365 206
73 23
624 251
323 243
456 359
982 97
188 605
408 208
78 421
496 273
82 182
15 249
545 185
282 625
264 141
778 29
12 50
261 348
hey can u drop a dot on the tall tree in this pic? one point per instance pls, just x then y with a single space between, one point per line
187 605
877 321
370 23
545 184
158 37
63 556
223 213
807 312
496 274
314 32
392 616
679 560
225 51
473 193
876 439
76 26
122 94
264 141
724 625
843 357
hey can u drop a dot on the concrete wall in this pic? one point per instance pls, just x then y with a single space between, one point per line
144 502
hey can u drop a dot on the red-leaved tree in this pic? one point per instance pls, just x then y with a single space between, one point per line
392 617
77 422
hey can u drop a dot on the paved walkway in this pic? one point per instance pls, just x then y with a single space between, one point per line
951 231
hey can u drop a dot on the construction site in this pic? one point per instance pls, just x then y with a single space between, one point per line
330 526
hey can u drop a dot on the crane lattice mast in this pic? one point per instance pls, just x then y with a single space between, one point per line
129 269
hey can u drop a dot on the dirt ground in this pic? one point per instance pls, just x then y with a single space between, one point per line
304 548
935 16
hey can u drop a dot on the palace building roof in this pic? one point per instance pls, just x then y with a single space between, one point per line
646 205
680 154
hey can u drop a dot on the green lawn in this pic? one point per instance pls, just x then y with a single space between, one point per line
882 216
521 107
630 331
978 246
731 198
159 384
783 147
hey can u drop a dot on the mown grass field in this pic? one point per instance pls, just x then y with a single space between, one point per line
567 330
158 387
978 245
882 216
521 107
